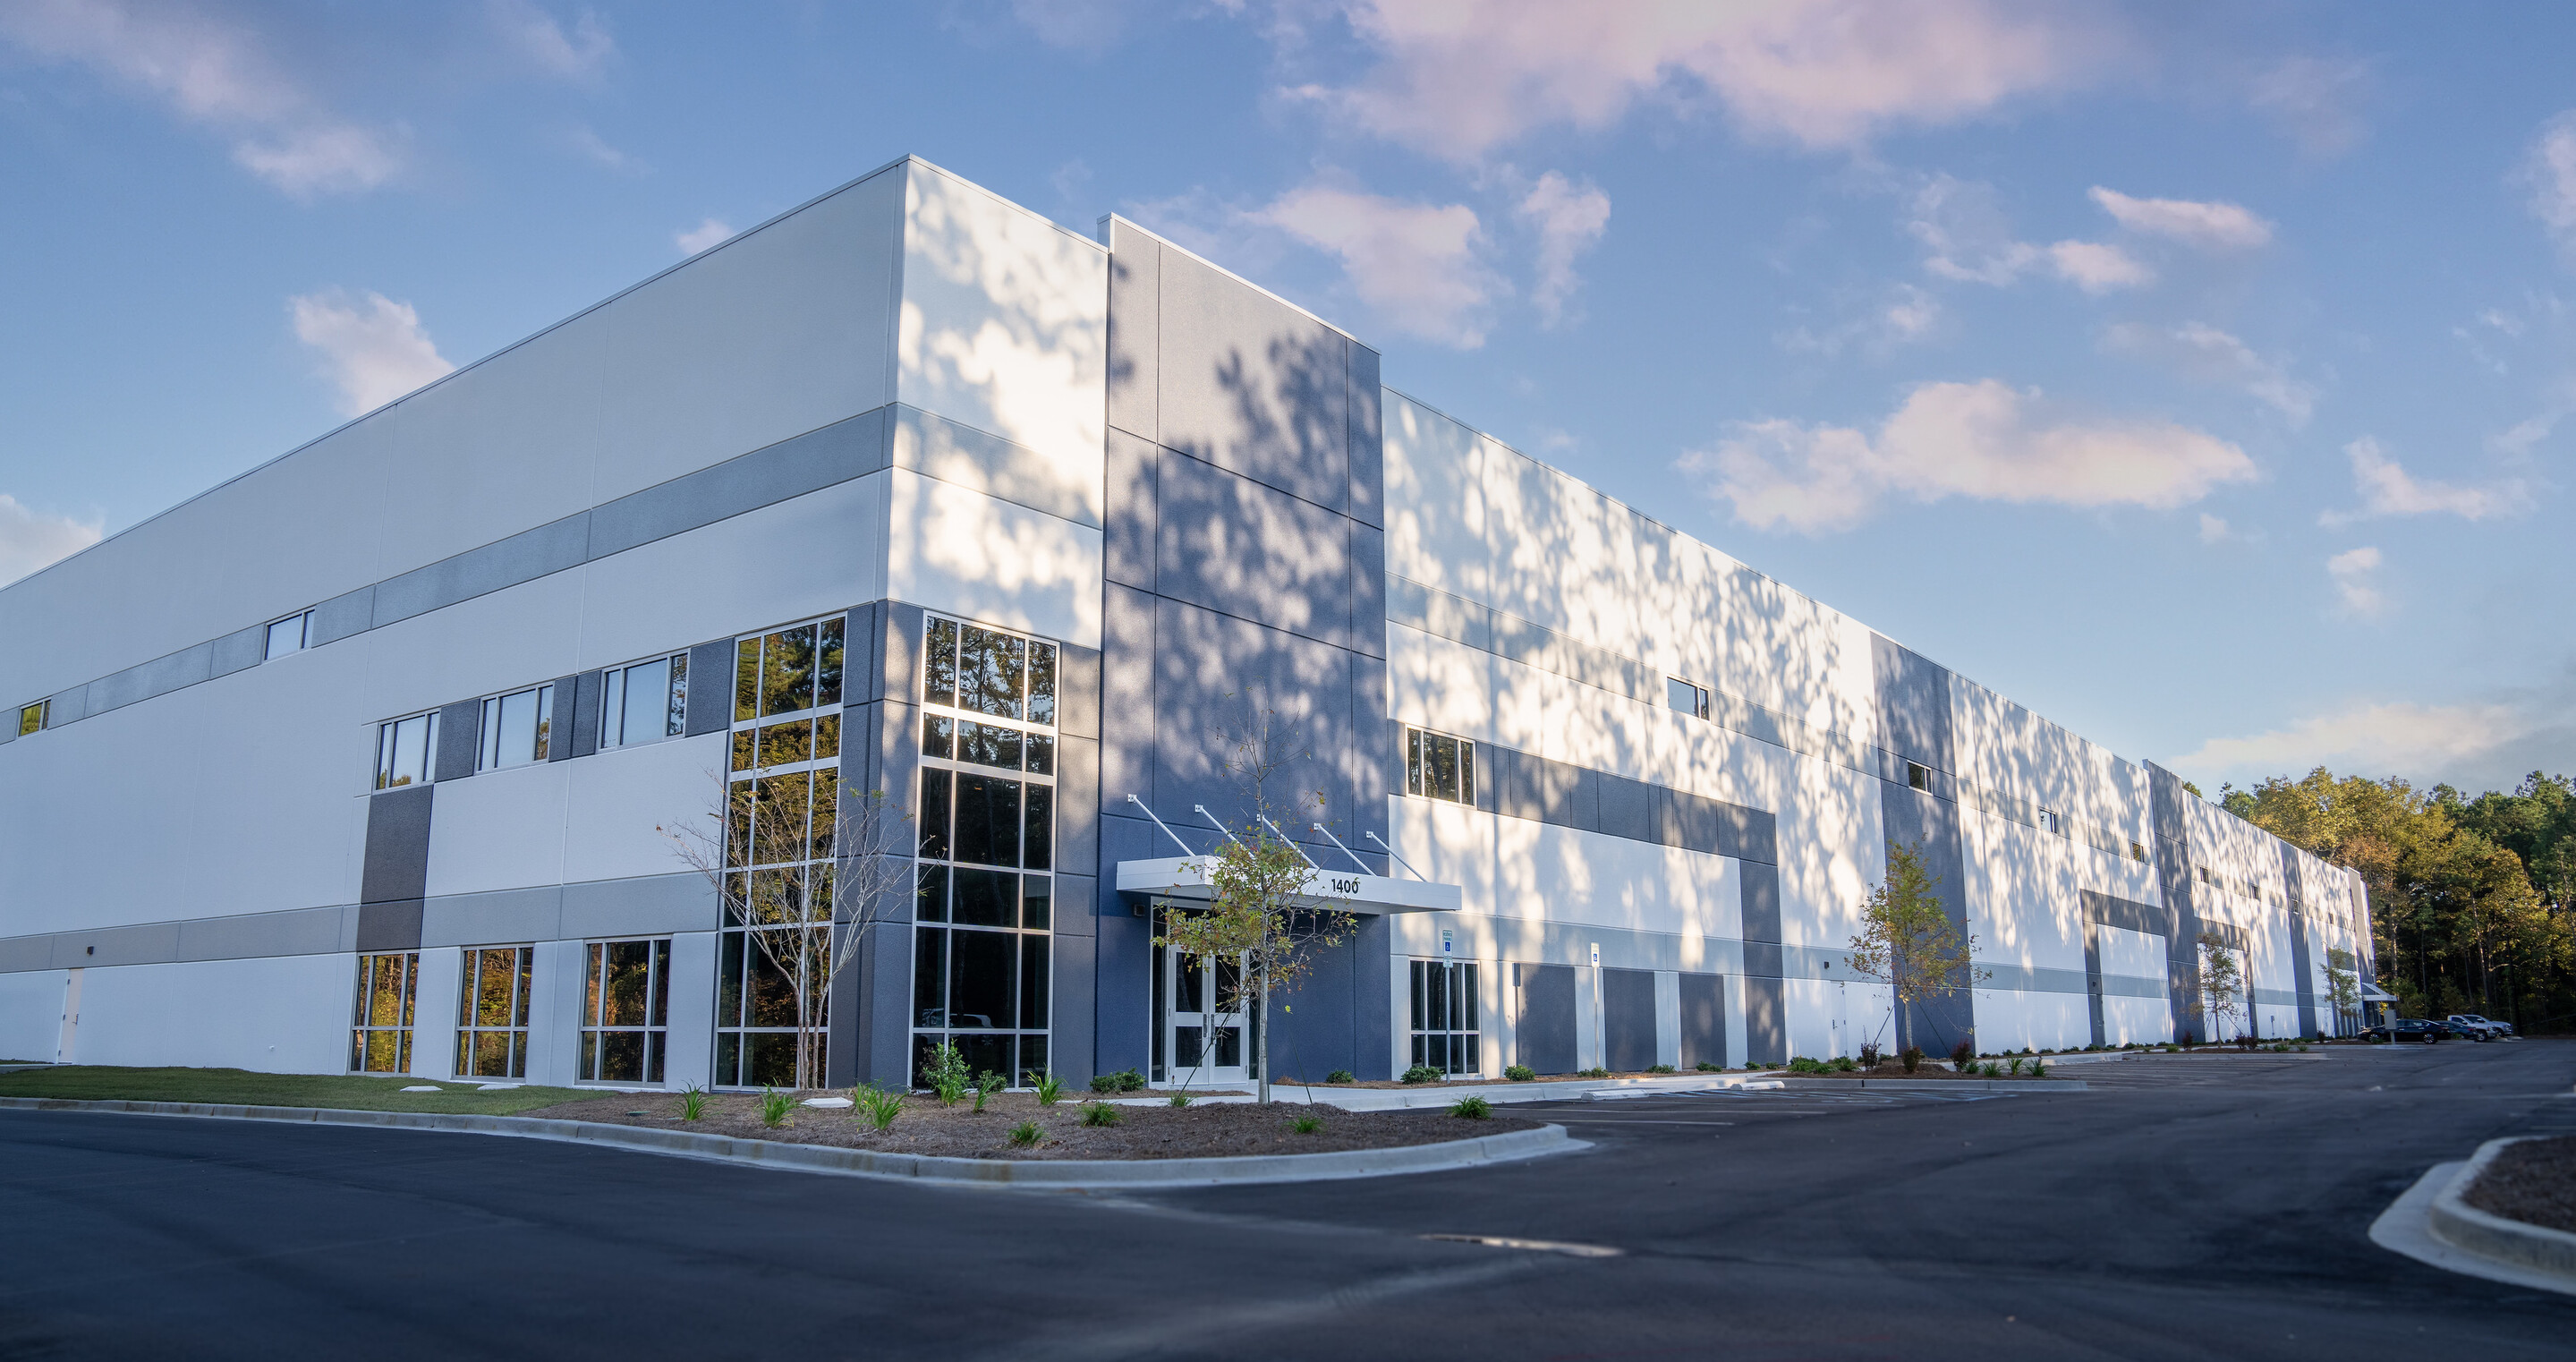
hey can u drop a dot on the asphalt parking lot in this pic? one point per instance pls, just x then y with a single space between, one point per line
2203 1206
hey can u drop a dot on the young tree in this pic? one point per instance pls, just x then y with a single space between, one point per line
807 870
2222 983
1908 942
2343 983
1266 908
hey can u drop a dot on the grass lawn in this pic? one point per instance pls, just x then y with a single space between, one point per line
349 1091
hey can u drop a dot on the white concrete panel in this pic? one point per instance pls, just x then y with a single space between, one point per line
500 830
691 1057
281 1014
1435 500
31 1015
2130 955
554 1012
437 1011
807 556
623 799
1668 1017
958 551
783 331
1005 327
508 444
503 640
2136 1021
2009 1020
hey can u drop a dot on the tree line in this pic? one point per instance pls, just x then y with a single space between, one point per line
2470 898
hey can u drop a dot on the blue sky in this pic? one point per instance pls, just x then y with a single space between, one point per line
2194 374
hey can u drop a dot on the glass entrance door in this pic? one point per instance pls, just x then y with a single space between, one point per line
1204 1031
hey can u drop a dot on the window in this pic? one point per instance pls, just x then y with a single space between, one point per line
32 717
2052 821
492 1013
403 750
1437 766
2137 850
518 728
783 817
1918 776
380 1036
1444 1016
290 635
624 1007
984 916
1689 699
648 702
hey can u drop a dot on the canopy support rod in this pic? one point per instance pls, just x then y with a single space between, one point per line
1220 827
1336 841
1291 841
1166 827
1399 860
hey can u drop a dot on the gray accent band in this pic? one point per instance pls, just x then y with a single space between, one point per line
1523 785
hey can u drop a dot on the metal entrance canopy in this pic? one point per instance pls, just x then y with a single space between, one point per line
1186 877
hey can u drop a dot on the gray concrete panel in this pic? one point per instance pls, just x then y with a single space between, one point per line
1766 1031
389 926
1376 757
1368 590
559 724
1126 698
144 943
809 462
900 678
1251 385
1761 902
397 855
501 917
1543 1017
2165 796
523 557
144 680
1077 806
1913 705
1703 1020
1235 545
1367 448
1372 983
2302 964
710 687
1931 826
863 661
1077 691
1628 1019
1762 960
20 954
1627 807
1077 903
1071 1018
460 729
1318 1021
1122 994
1135 330
877 1037
2093 981
241 649
342 617
648 905
587 693
1127 547
1213 674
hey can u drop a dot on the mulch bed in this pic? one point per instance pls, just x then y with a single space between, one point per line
1204 1130
2533 1182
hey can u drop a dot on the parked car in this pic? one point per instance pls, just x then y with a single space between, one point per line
2406 1029
2462 1030
2494 1029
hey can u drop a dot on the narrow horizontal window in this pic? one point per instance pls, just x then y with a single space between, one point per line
1690 699
403 750
1438 766
518 728
290 635
1918 776
31 717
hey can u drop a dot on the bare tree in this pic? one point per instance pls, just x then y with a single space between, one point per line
1267 908
807 869
1908 942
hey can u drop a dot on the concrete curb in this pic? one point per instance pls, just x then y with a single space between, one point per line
1941 1084
2535 1248
1062 1174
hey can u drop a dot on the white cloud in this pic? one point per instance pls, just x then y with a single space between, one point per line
2214 530
2421 742
1981 440
1909 314
1415 263
2355 573
1462 78
373 348
1076 25
217 73
2097 267
30 539
2550 169
1569 219
586 143
2317 102
708 233
580 56
2388 489
2205 353
2208 225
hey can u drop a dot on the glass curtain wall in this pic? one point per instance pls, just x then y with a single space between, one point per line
380 1037
492 1012
986 821
784 798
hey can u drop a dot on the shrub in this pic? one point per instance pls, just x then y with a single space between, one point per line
1659 1069
1026 1134
1099 1114
881 1105
944 1072
774 1106
1521 1073
1048 1085
2303 1047
693 1102
1423 1073
1341 1076
1308 1125
2039 1068
1707 1068
2016 1068
1912 1058
1844 1064
1472 1108
1869 1055
1125 1080
986 1086
1991 1069
1963 1053
1180 1099
1596 1072
1803 1065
